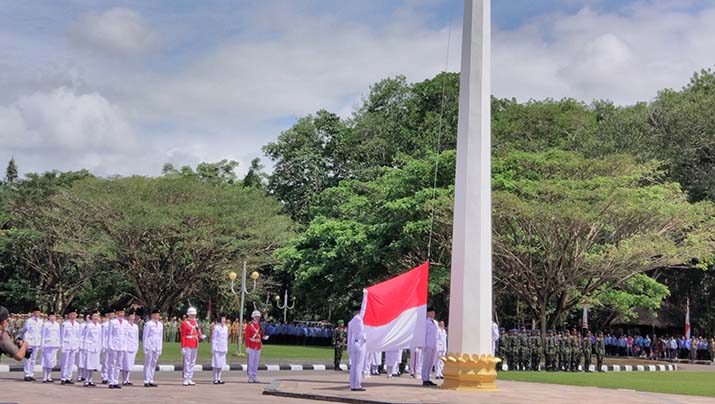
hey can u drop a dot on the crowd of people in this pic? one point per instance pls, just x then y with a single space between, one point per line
574 350
109 344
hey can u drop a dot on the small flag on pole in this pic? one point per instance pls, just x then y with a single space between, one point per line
584 319
687 319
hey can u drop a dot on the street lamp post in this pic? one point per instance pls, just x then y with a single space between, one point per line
232 276
285 307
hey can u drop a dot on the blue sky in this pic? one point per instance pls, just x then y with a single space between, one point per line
121 87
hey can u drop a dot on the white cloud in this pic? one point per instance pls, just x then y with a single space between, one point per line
116 30
87 128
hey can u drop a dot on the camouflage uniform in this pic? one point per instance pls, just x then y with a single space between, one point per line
587 351
550 349
523 350
565 352
600 350
501 349
537 351
575 351
340 337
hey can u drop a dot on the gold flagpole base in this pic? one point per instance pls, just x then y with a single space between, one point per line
470 373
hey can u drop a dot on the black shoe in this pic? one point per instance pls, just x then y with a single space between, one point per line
116 386
221 382
81 379
69 382
32 378
92 384
360 389
27 379
111 386
215 381
62 382
105 381
50 380
146 384
153 385
428 383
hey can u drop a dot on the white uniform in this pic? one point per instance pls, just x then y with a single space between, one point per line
441 350
415 361
69 346
131 336
152 340
33 337
50 346
356 349
91 346
81 359
117 346
392 362
375 361
105 351
428 351
219 349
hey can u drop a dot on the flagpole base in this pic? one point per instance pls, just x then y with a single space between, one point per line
470 373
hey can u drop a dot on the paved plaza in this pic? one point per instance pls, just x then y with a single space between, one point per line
314 385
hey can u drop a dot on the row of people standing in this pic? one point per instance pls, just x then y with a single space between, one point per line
560 351
110 344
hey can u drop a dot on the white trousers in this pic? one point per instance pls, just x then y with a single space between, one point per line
427 363
189 362
105 364
357 363
49 361
254 356
30 362
67 359
415 361
116 358
150 360
438 364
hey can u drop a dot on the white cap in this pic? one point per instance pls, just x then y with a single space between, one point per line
256 313
190 311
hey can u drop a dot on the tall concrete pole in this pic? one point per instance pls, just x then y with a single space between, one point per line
470 305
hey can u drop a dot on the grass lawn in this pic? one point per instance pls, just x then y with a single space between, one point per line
691 383
297 354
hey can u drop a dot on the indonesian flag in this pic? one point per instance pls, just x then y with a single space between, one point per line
394 311
687 319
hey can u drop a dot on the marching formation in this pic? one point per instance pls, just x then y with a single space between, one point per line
109 344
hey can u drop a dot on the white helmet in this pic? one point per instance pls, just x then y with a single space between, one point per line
256 313
190 311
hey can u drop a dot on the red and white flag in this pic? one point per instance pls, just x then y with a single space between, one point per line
687 319
394 311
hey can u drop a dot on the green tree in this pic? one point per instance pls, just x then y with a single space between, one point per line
255 177
11 171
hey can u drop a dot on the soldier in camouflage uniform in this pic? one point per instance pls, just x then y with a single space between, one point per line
501 349
523 350
550 351
340 339
509 349
575 351
600 350
587 351
537 350
565 362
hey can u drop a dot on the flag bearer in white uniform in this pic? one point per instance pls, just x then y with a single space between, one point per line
219 348
441 350
117 345
106 355
32 330
92 347
356 348
429 349
69 346
131 337
152 340
81 352
50 346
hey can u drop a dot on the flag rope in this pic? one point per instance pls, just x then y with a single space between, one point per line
439 137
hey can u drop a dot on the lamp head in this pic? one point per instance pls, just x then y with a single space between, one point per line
232 276
255 275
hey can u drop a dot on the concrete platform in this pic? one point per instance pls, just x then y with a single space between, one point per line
303 387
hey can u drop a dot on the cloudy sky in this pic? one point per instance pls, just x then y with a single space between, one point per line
121 87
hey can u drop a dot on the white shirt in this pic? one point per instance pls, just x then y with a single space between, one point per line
116 339
105 335
153 336
51 335
219 338
70 337
92 337
356 333
131 337
33 331
431 333
441 340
